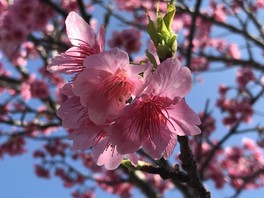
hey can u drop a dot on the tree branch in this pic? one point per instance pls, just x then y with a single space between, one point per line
189 166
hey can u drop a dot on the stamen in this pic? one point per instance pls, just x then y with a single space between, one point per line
84 50
101 135
116 87
149 118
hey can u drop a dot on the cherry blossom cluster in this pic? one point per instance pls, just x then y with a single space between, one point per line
117 108
128 40
241 162
238 108
20 19
238 163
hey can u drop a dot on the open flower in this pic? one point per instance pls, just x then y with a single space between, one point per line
106 83
155 118
84 41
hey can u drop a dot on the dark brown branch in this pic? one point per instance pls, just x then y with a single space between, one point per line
224 25
189 166
192 32
244 63
144 186
166 172
85 16
228 61
55 7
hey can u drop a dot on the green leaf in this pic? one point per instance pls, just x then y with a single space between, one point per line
168 18
173 43
152 31
163 31
164 52
151 59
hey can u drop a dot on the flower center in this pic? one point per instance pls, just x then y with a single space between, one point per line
151 116
117 87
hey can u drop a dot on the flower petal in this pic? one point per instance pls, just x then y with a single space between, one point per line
182 111
65 62
106 156
161 144
184 128
78 30
101 39
184 119
72 112
100 110
83 139
123 134
170 80
108 61
86 84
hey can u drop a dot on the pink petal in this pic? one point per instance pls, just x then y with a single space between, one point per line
184 119
108 61
182 111
100 109
67 89
72 112
123 133
65 63
78 30
106 156
161 144
82 140
86 84
133 158
171 80
101 39
184 128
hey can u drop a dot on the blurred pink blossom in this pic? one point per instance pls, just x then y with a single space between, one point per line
128 40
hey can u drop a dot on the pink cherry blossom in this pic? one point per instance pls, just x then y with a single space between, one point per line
18 20
155 118
86 134
106 154
39 89
242 162
259 3
111 182
199 64
208 124
3 5
233 51
84 42
244 76
129 40
220 13
41 171
105 84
